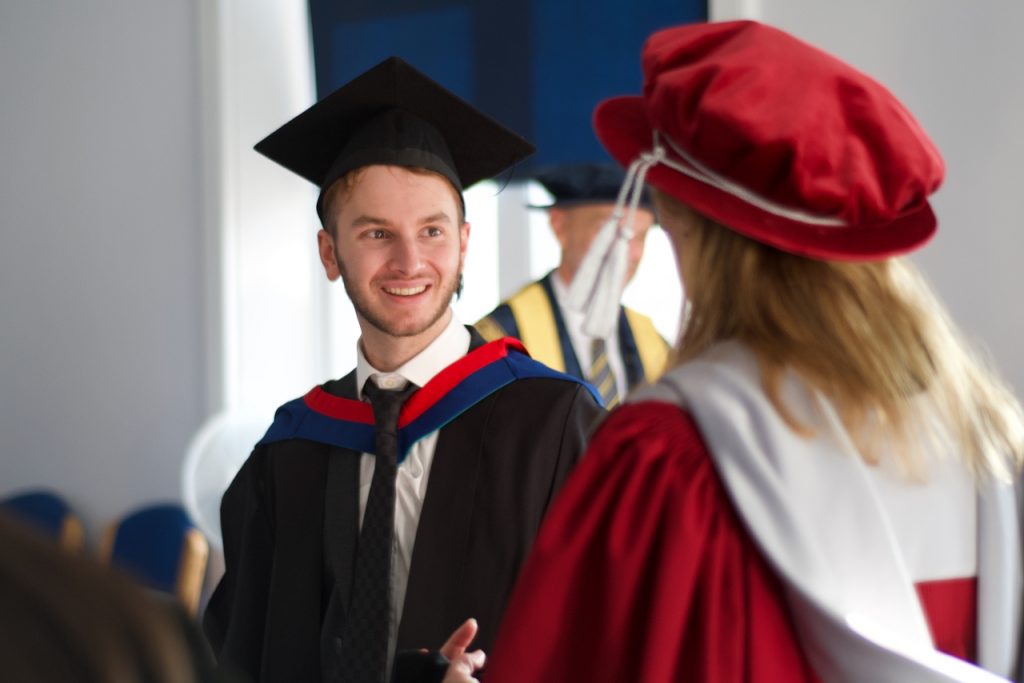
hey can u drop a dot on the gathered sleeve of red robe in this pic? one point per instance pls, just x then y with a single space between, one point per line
642 571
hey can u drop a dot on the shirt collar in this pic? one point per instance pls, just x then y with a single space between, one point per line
573 319
449 346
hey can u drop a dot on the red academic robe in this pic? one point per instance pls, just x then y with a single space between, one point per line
643 571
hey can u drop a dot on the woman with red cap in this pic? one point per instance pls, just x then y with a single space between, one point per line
824 486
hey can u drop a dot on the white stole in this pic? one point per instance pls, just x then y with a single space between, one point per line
810 507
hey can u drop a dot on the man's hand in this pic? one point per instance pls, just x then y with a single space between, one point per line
463 664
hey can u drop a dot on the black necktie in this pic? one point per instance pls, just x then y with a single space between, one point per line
364 639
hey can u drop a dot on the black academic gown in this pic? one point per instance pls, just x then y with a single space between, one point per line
290 523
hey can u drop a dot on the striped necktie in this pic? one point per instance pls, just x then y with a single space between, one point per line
601 374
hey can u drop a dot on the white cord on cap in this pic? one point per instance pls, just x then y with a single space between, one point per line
699 171
596 289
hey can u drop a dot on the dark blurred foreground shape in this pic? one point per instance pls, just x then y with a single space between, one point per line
68 618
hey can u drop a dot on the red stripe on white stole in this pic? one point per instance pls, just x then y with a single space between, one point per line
951 606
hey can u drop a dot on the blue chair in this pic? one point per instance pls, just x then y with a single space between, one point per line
160 547
46 511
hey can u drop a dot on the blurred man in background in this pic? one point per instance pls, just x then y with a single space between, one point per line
584 198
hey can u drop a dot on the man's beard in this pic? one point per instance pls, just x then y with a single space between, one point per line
365 311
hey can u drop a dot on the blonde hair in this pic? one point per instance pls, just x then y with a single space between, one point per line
869 336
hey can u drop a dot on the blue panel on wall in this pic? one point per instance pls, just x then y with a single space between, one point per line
432 41
539 67
584 55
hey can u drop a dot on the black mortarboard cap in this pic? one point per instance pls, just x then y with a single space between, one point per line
583 183
394 115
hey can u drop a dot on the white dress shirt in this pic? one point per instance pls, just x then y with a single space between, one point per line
581 342
413 473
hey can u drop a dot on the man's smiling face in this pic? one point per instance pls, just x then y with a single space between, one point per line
397 243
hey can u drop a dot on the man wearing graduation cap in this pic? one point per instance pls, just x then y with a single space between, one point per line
436 437
629 354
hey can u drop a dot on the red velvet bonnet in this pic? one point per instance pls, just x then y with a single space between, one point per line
778 141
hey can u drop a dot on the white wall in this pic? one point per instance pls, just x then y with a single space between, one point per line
101 277
957 65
